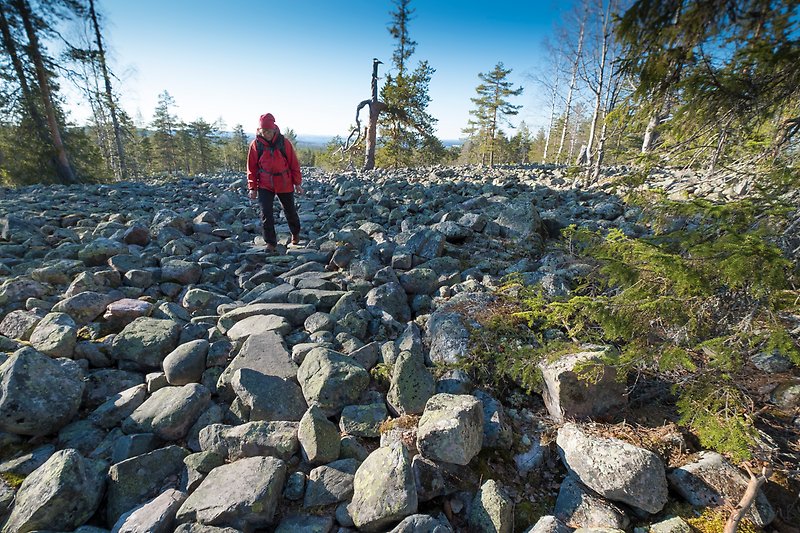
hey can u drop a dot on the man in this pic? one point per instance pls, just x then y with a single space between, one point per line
273 169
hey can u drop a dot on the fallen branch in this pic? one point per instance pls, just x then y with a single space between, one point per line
748 498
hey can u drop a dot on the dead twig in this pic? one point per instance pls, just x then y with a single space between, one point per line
748 498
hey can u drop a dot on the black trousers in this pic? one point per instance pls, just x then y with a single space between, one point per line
266 199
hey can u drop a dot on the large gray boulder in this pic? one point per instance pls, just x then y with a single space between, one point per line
567 395
131 481
243 494
521 218
492 509
496 430
363 420
411 386
84 306
331 483
98 251
20 289
383 489
169 412
392 298
449 329
264 397
180 271
451 428
19 324
119 407
294 313
549 524
449 337
319 437
146 341
422 523
105 383
55 335
331 380
186 363
60 495
710 480
614 469
258 324
38 395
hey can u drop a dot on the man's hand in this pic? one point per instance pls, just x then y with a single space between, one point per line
252 194
298 189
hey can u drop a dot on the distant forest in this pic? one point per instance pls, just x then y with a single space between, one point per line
704 85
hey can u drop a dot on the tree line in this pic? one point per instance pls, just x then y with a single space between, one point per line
690 83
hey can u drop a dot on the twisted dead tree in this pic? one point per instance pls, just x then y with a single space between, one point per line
375 108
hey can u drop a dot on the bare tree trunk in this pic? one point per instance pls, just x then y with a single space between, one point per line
598 158
120 169
375 108
650 133
27 94
550 123
723 136
63 167
571 89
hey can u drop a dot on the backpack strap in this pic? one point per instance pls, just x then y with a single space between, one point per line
280 144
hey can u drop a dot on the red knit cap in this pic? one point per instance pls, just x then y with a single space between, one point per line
267 122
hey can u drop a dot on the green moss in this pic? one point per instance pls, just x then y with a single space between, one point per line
382 375
12 480
527 513
713 520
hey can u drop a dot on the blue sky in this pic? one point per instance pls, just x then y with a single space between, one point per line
309 62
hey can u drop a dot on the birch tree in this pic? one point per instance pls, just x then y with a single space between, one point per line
120 169
572 82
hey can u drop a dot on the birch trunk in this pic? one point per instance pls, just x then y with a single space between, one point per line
571 89
120 169
601 71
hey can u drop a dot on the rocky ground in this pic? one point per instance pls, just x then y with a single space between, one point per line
162 372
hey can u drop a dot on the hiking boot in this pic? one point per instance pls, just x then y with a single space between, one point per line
270 247
295 239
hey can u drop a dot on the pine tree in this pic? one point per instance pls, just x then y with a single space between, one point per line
406 125
492 106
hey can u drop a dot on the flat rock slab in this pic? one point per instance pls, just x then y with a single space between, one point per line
278 439
243 494
294 313
265 353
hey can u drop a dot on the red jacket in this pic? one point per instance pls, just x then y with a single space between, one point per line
273 172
